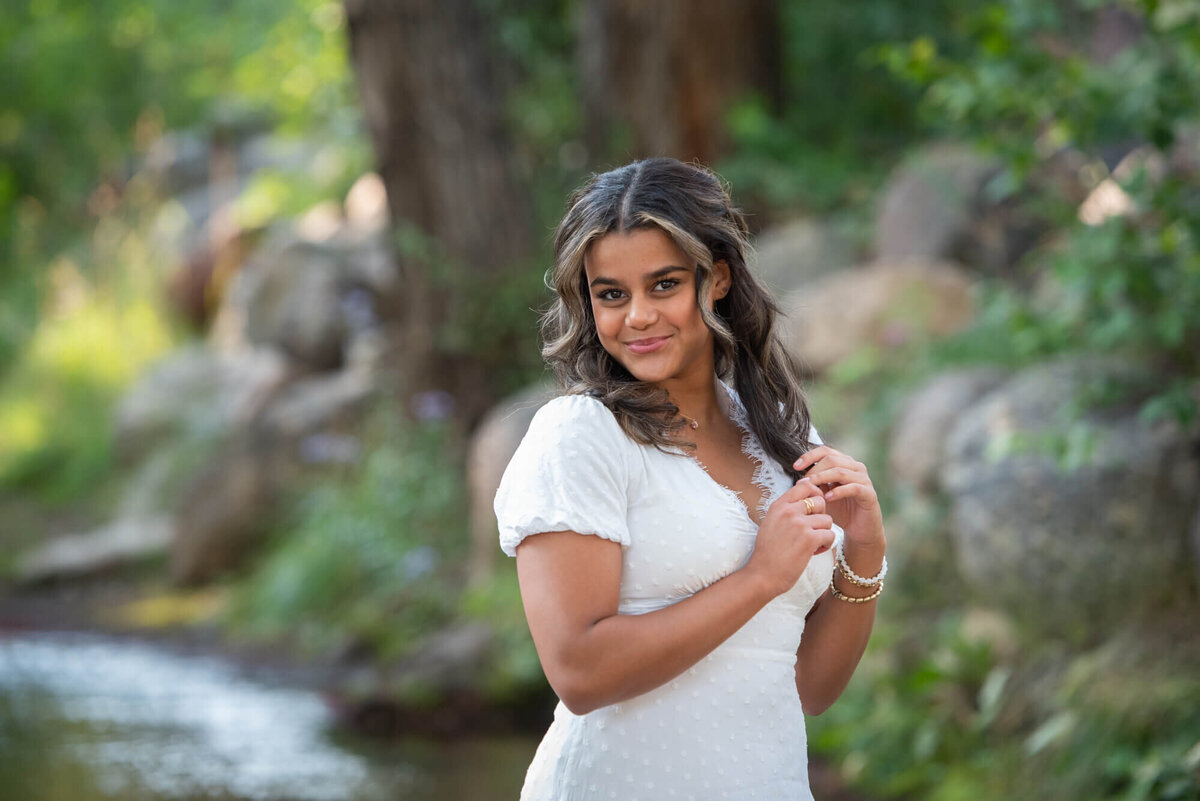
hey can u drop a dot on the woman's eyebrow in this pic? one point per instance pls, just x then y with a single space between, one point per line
661 272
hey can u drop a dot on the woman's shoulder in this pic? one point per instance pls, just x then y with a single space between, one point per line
576 415
573 405
571 472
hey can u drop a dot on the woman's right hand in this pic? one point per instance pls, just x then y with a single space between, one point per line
789 536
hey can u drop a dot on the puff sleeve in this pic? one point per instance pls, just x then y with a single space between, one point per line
570 473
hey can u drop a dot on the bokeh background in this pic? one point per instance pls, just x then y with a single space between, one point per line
269 281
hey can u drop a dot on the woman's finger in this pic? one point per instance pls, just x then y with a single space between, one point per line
825 541
799 491
812 457
837 475
857 491
813 504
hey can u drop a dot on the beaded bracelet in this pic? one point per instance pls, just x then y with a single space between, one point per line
851 599
854 577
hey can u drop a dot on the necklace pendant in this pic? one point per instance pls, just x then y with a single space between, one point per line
693 424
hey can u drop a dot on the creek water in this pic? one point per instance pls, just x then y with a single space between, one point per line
85 717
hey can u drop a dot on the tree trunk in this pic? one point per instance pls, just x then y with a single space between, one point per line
670 69
433 98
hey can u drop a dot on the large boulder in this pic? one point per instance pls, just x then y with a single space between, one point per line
287 297
792 256
492 445
323 402
225 510
196 393
917 448
1070 550
941 204
307 298
885 305
227 505
926 205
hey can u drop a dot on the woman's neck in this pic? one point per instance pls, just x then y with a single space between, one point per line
699 402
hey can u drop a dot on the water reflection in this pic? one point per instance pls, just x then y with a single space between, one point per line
85 717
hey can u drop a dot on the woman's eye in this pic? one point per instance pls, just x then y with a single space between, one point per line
610 294
666 283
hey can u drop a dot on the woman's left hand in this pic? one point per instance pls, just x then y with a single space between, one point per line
850 497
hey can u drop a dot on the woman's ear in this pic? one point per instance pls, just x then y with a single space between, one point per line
720 281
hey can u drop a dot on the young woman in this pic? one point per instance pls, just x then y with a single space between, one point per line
669 552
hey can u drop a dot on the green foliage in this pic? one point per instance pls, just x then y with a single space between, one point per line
101 328
844 117
89 85
368 561
935 714
516 670
1125 284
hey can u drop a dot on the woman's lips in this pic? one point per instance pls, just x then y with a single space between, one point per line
648 345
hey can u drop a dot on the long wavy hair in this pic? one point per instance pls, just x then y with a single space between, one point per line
692 206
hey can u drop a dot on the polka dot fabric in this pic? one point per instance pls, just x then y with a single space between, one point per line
730 727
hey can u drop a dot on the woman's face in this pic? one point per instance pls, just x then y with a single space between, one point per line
643 296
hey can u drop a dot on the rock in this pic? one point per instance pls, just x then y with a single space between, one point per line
196 392
926 205
1071 552
916 451
287 297
1114 30
492 446
319 402
156 483
308 298
227 504
940 204
225 510
367 204
269 151
885 305
436 690
179 161
791 256
1109 199
109 547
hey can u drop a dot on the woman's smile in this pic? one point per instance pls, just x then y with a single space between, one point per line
647 345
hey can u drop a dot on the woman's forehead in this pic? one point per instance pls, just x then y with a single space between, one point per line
631 253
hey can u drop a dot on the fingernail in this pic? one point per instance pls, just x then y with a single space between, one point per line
828 496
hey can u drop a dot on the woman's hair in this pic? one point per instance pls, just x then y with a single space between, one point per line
692 206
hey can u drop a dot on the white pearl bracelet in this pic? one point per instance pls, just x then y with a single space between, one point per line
854 577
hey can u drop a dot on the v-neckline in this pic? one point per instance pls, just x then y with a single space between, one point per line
750 448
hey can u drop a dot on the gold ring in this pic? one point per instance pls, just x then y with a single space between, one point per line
809 506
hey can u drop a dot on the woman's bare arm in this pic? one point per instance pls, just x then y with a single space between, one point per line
836 635
836 631
593 656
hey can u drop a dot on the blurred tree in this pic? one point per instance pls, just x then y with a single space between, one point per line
671 70
434 92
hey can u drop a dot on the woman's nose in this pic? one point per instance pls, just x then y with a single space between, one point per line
641 313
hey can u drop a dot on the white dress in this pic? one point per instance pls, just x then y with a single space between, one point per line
730 727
